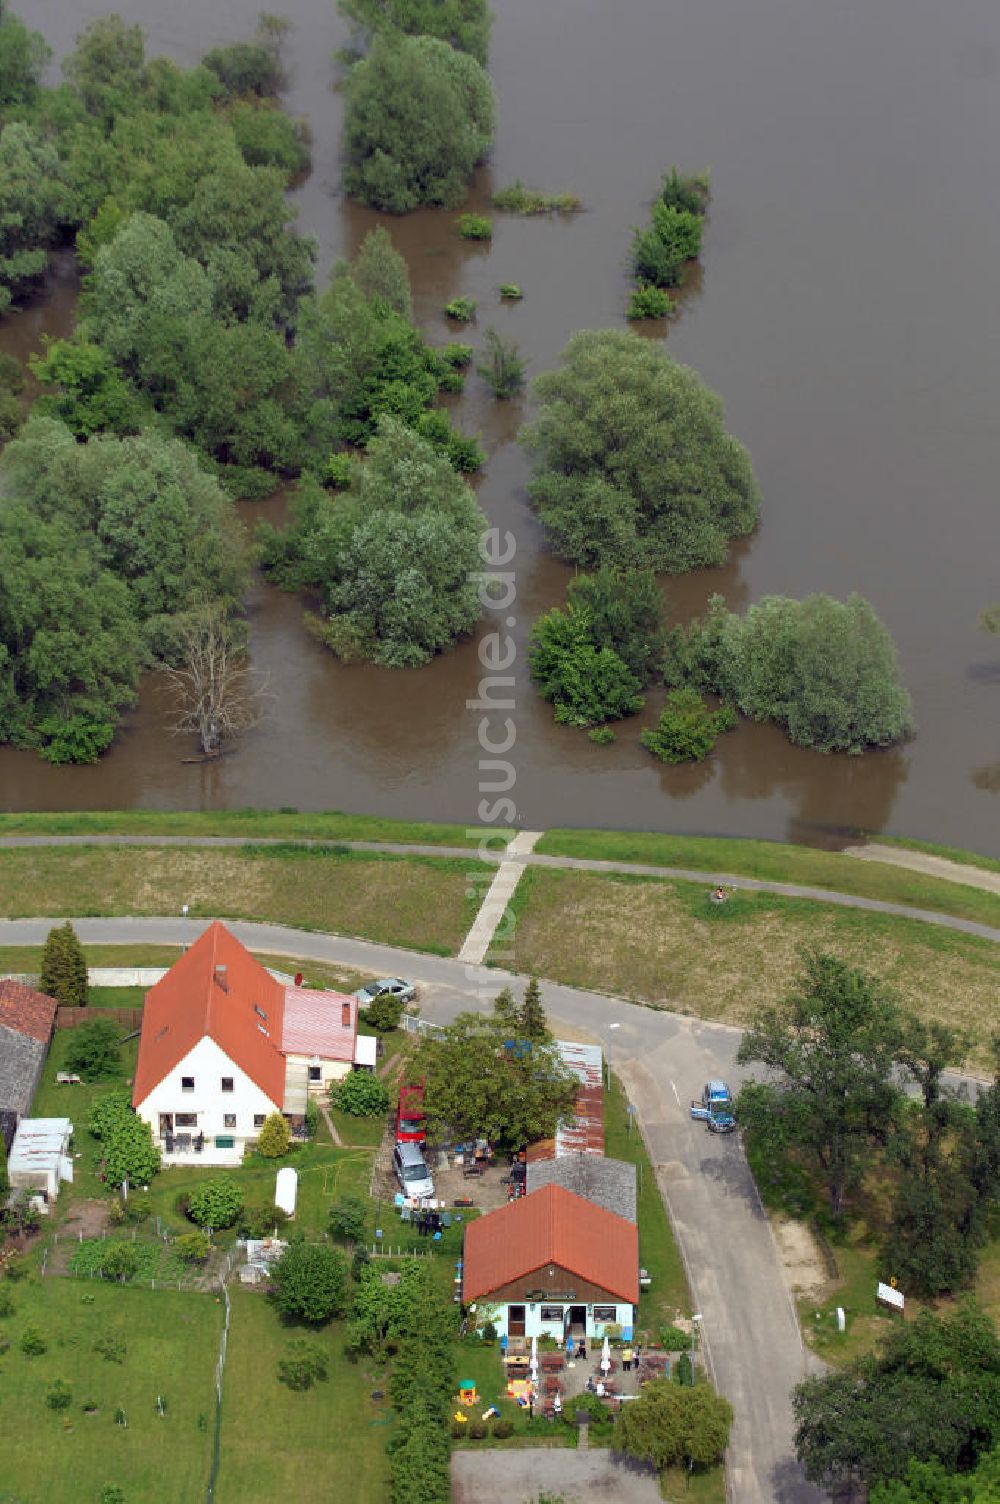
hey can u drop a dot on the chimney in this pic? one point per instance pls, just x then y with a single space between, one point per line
221 977
345 1015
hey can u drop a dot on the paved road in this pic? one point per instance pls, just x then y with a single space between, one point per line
751 1335
535 859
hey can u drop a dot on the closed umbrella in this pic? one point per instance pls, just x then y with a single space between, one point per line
606 1356
534 1359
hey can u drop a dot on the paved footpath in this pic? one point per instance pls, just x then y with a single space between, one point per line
749 1328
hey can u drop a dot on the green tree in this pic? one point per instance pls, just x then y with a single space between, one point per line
464 24
362 1094
32 195
670 1424
381 272
193 1247
129 1152
687 729
829 1049
531 1017
120 1261
108 67
91 396
632 465
107 1112
503 368
419 116
932 1395
349 1219
586 681
384 1012
64 968
93 1051
626 614
24 56
216 1203
824 669
403 546
477 1086
275 1137
309 1283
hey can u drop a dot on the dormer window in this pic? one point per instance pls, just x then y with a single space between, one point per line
260 1012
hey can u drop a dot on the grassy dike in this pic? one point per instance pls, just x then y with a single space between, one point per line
285 824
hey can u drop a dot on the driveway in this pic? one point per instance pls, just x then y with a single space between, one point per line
520 1476
749 1328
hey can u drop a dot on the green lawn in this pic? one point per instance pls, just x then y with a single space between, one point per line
330 825
775 862
419 902
67 1457
951 853
76 1102
661 941
668 1294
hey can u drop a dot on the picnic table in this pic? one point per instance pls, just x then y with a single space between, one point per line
68 1078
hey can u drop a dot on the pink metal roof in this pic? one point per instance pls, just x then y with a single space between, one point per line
314 1024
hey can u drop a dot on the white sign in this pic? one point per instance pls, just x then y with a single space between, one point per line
890 1296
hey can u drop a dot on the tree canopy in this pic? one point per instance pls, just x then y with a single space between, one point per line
419 117
309 1283
64 968
632 465
673 1423
33 199
463 24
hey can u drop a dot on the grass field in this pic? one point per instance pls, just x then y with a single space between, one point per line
773 862
418 902
288 824
663 943
67 1457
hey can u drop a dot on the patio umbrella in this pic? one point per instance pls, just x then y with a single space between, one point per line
606 1356
570 1344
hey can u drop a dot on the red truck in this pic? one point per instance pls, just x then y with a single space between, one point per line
411 1125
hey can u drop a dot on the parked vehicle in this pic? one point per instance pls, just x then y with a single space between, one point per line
411 1170
411 1125
715 1107
395 986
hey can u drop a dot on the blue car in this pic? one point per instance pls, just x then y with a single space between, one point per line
715 1108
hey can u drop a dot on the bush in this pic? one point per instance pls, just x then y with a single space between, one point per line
93 1051
33 1344
649 303
455 355
120 1261
261 1221
217 1203
303 1364
275 1137
337 471
603 736
111 1347
59 1396
687 729
672 1339
587 683
361 1094
475 227
517 199
129 1151
348 1219
311 1119
384 1012
502 1429
310 1283
668 1425
7 1307
111 1493
476 1429
504 368
460 309
193 1247
674 235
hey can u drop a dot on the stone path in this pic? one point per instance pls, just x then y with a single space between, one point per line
930 865
501 891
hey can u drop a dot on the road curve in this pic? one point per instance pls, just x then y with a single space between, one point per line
751 1334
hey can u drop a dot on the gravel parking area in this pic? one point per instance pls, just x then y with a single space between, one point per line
518 1476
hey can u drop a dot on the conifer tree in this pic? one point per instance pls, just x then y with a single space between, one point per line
505 1008
534 1024
64 968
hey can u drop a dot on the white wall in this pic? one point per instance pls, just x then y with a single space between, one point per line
208 1063
330 1070
534 1326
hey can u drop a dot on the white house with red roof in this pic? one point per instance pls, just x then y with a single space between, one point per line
224 1044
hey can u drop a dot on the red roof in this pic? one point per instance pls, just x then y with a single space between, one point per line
217 989
27 1011
551 1226
314 1024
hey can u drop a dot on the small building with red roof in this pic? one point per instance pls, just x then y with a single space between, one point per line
225 1044
552 1264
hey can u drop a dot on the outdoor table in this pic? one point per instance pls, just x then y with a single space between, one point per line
518 1361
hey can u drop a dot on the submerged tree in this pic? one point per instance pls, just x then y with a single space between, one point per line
217 694
504 368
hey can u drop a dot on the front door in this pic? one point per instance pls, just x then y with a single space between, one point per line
166 1123
515 1321
576 1325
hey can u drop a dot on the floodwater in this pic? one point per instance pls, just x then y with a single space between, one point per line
845 309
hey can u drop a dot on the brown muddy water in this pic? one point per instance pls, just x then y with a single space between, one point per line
846 310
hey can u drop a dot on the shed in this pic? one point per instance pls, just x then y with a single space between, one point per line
606 1182
286 1188
39 1157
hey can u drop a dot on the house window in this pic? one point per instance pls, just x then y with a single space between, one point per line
187 1083
229 1120
258 1120
605 1313
552 1313
227 1083
224 1143
315 1073
186 1119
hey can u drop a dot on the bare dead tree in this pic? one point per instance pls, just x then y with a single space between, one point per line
216 693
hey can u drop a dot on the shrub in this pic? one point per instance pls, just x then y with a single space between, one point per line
275 1137
59 1396
504 368
587 684
111 1347
129 1151
261 1221
361 1094
6 1303
303 1364
456 355
107 1112
602 735
517 199
384 1012
111 1493
337 471
463 454
477 1429
17 1268
510 291
488 1333
310 1283
120 1261
93 1051
348 1218
673 1339
33 1344
217 1203
460 309
193 1247
674 235
475 227
687 729
311 1118
649 303
502 1429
